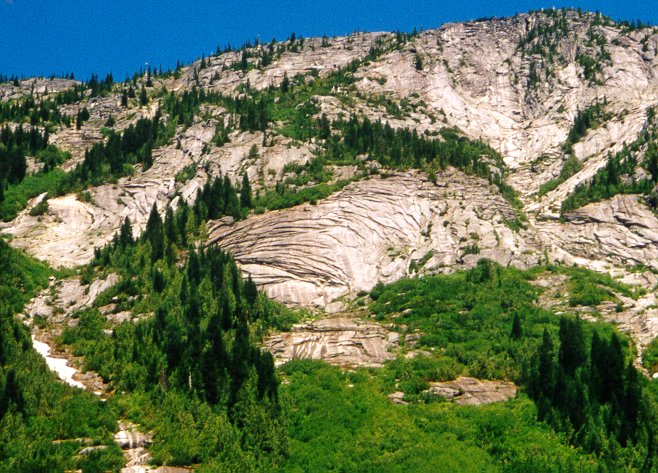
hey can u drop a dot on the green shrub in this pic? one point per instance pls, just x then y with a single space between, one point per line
650 356
39 209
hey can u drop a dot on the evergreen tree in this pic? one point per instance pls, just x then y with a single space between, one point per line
631 404
147 158
154 233
598 368
419 62
324 127
193 269
171 232
158 281
285 83
572 354
545 370
245 193
250 291
143 98
82 116
612 368
517 330
231 199
126 234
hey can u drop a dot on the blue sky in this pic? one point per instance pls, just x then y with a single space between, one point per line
39 37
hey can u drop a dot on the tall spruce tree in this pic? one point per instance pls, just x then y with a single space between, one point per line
517 330
245 192
154 233
143 97
572 354
126 233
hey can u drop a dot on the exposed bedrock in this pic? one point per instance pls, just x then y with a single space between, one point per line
344 342
374 230
620 232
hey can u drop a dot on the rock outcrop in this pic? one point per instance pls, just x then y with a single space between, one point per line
615 233
64 297
37 85
67 235
473 392
374 230
344 342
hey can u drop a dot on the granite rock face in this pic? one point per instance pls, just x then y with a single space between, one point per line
375 230
67 235
64 297
618 232
473 392
345 342
475 76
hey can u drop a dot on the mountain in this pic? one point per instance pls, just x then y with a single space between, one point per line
483 154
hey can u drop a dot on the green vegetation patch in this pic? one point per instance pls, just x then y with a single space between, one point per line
343 421
42 419
618 175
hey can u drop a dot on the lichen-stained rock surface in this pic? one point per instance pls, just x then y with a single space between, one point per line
317 55
73 226
66 296
473 392
342 341
374 230
618 232
11 91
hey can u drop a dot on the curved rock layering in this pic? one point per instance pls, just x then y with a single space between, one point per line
374 230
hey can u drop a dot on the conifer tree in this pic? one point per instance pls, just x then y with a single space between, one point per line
598 361
572 352
171 232
154 233
419 62
147 158
230 199
82 116
143 98
612 366
250 290
245 193
285 83
126 233
546 362
631 404
517 330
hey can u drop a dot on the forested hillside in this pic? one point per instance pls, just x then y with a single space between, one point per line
425 251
